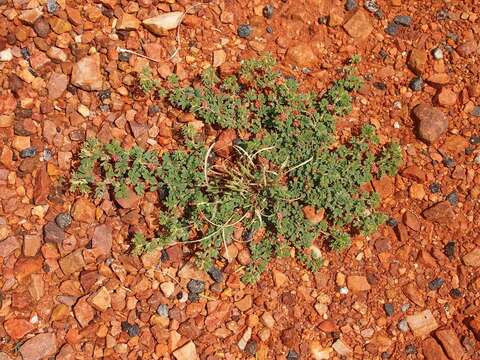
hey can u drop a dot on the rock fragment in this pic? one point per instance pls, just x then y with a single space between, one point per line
422 324
39 347
86 73
159 25
431 122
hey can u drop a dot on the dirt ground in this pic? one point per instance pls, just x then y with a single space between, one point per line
73 291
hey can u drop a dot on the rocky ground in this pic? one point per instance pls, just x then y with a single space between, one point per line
70 289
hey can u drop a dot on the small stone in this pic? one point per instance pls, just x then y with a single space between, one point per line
63 220
403 20
244 31
168 288
450 249
28 152
219 57
292 355
41 27
392 29
268 11
422 323
196 286
102 239
130 329
279 278
446 97
56 86
437 54
127 22
72 262
242 343
216 274
52 6
358 283
101 300
410 349
448 162
59 26
124 56
435 188
161 24
417 84
351 5
403 326
31 245
441 212
436 284
267 319
6 55
186 352
359 26
474 140
389 309
251 348
405 307
52 233
472 258
39 347
162 310
371 6
17 328
342 348
432 350
86 73
476 112
417 61
392 222
456 293
245 303
452 198
450 343
302 55
431 122
83 210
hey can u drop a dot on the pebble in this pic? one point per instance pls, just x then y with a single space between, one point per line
160 24
403 20
41 27
422 323
343 290
52 233
389 309
251 348
431 122
242 343
476 111
244 31
268 11
405 307
417 84
371 5
215 274
437 54
63 220
131 329
435 188
186 352
452 198
124 56
403 326
359 26
436 284
28 152
39 347
448 162
392 222
456 293
450 249
358 283
351 5
472 258
195 286
411 349
86 73
292 355
162 310
52 6
450 343
474 140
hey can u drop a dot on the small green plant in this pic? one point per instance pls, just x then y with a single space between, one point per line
287 165
146 81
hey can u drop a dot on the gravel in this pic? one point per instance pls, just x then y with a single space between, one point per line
437 53
389 309
52 6
131 329
351 5
448 162
251 347
162 310
268 11
435 188
453 198
196 286
403 20
28 152
449 249
436 284
417 84
215 274
456 293
403 326
392 29
63 220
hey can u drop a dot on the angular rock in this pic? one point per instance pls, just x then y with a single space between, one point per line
217 317
52 233
431 122
130 201
411 292
186 352
472 258
56 86
102 239
422 324
86 73
160 24
446 97
128 22
31 245
72 263
59 26
359 26
30 16
8 246
302 56
342 348
17 328
223 146
219 57
39 347
454 145
24 267
450 344
83 210
417 61
84 313
101 300
441 213
432 350
41 190
279 278
358 283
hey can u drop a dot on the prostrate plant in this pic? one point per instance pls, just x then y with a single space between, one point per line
286 183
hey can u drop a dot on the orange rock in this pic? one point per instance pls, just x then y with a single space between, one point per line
83 210
359 26
223 146
446 97
467 49
27 266
454 144
313 215
385 187
17 328
441 212
357 283
302 55
328 326
432 350
450 343
417 61
411 220
41 189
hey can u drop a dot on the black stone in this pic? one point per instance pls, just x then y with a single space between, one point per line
193 297
448 162
392 222
23 113
476 111
251 347
47 155
322 20
25 53
153 110
215 274
371 5
453 198
104 94
244 30
403 20
379 14
389 309
380 86
474 140
469 150
164 256
28 152
392 29
106 11
442 15
417 84
104 108
436 284
382 54
351 5
63 220
196 286
269 29
179 295
268 11
450 249
71 89
435 188
292 355
131 329
124 56
411 349
456 293
247 235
